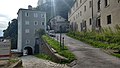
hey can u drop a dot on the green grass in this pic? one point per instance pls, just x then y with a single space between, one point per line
43 56
55 44
117 55
93 40
13 60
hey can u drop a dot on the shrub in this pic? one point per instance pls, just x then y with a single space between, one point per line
105 39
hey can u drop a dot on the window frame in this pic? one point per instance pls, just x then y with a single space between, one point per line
118 1
80 13
90 4
35 15
85 8
27 30
98 5
35 23
90 21
26 14
27 22
80 1
109 19
43 22
107 3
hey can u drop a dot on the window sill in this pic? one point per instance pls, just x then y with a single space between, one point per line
107 6
109 24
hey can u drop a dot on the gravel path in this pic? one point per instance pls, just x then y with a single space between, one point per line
34 62
90 57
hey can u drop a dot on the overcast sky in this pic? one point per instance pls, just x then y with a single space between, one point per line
9 9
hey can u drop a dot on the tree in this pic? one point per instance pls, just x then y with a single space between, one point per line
40 32
12 32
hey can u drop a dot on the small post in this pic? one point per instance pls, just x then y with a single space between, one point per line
60 36
63 43
57 38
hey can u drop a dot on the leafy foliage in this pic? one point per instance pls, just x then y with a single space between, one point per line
13 60
40 32
106 39
12 32
43 56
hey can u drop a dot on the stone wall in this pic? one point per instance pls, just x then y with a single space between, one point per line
46 49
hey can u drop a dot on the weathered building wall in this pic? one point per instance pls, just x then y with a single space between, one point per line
112 9
97 14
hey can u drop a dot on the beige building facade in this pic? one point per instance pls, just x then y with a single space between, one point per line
86 15
58 24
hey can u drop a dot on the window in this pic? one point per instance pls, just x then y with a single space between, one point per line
76 3
84 8
74 17
83 26
73 7
27 41
98 5
42 23
90 4
60 18
26 22
98 22
42 15
90 21
36 31
35 15
27 31
80 13
107 2
118 1
109 19
26 14
80 1
35 23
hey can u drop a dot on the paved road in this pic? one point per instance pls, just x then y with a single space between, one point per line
89 57
33 62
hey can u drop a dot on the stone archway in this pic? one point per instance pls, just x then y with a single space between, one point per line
29 50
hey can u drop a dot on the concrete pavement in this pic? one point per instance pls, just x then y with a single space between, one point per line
90 57
34 62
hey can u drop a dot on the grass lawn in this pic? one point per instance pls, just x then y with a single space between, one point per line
13 60
117 55
55 44
43 56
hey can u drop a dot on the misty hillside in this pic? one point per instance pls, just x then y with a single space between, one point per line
61 8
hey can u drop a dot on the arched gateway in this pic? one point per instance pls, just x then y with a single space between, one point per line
28 51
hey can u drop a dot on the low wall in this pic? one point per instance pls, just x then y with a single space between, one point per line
46 49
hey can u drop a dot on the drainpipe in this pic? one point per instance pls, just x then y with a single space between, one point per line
92 17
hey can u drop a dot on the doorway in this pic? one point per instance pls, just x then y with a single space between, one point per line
28 51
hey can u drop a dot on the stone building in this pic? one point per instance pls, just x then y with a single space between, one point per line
29 22
86 15
58 21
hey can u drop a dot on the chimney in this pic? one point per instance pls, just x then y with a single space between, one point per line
29 7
